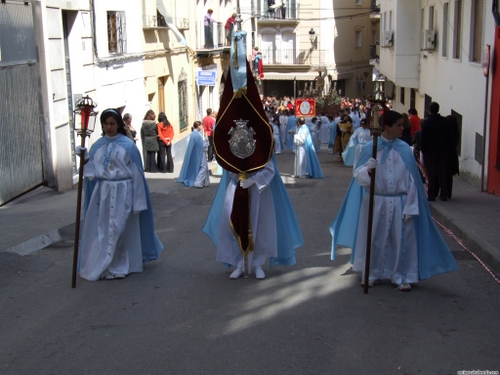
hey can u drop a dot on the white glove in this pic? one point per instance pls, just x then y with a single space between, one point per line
79 149
245 184
372 163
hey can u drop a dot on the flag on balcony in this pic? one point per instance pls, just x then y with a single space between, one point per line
238 63
261 68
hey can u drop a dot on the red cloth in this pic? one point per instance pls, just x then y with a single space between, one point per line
415 124
165 132
208 125
261 69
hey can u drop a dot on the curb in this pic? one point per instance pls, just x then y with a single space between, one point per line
474 245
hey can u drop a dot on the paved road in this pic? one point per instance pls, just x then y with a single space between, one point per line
184 316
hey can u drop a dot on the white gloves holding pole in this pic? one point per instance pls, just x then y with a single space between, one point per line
372 163
245 184
79 149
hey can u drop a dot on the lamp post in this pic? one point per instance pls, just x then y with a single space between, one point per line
312 38
84 118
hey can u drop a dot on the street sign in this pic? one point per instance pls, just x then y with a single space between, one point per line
206 77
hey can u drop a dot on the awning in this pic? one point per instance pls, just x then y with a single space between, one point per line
170 21
290 76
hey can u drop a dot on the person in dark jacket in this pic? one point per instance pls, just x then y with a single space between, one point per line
436 141
149 136
452 162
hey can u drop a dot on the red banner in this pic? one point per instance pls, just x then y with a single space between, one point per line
305 107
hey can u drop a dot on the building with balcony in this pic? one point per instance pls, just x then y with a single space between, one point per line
301 38
432 50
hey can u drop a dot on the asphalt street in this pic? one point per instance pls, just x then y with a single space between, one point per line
183 315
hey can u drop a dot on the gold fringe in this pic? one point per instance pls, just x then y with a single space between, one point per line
241 91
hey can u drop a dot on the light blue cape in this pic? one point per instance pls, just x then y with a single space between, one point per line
288 231
151 245
290 125
191 164
434 256
313 167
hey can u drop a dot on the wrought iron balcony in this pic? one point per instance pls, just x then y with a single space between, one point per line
271 56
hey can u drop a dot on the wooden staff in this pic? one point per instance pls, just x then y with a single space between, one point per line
375 131
78 212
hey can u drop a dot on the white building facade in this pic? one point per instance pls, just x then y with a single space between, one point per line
432 50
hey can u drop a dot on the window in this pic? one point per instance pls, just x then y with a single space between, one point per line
361 85
402 95
431 18
183 113
477 28
359 39
445 30
457 29
117 42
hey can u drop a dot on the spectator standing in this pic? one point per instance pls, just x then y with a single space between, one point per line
165 139
149 136
208 22
271 9
436 141
208 128
131 132
406 129
452 162
229 27
415 121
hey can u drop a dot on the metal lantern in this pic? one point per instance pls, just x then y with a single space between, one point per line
85 116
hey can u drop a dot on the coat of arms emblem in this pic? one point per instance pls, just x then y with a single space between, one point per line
242 142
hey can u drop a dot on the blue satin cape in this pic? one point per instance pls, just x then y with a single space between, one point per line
288 231
192 159
313 167
434 256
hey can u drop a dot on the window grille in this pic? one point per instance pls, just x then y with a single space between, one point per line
117 43
183 113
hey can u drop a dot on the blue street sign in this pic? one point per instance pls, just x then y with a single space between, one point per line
206 77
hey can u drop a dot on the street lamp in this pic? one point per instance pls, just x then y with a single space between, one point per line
84 118
312 38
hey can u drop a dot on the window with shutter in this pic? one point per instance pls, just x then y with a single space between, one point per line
477 15
457 29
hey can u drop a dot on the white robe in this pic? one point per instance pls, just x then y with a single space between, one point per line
325 129
394 245
360 138
276 136
262 218
300 152
283 123
203 179
111 239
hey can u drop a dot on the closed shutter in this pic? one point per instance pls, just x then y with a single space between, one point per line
478 31
458 29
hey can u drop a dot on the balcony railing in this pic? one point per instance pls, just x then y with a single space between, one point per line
210 37
182 23
289 12
271 56
156 21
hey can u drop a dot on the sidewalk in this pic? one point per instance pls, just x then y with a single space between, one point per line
43 217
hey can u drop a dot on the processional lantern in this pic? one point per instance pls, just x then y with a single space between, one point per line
84 118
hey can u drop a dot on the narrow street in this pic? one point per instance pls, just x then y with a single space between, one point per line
183 315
